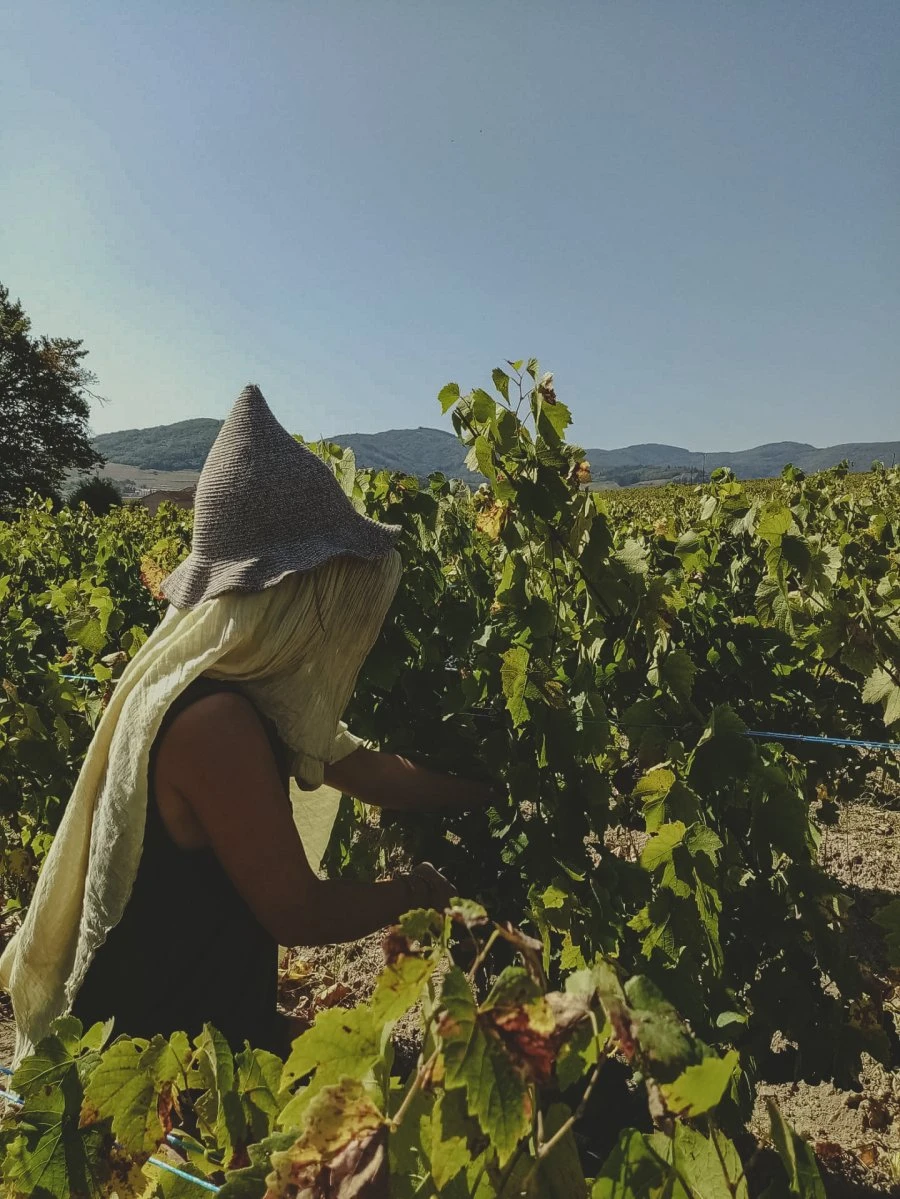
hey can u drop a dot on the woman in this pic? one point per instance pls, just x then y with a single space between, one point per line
178 870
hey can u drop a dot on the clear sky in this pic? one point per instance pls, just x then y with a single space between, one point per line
687 210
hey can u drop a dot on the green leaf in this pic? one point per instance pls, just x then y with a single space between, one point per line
259 1087
340 1044
880 688
484 458
54 1157
660 1031
658 850
97 1035
483 408
677 672
400 986
87 631
514 679
220 1107
64 1161
448 396
634 556
553 897
701 839
45 1068
635 1171
250 1181
712 1169
495 1093
468 912
774 521
773 605
423 924
796 1156
449 1133
133 1085
501 381
699 1088
652 789
577 1056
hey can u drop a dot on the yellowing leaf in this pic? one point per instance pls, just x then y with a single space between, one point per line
495 1092
344 1141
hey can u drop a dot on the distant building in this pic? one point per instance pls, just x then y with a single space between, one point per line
153 499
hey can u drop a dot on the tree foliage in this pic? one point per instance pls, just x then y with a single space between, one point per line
44 407
99 494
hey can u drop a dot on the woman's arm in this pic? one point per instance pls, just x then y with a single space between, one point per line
216 756
389 781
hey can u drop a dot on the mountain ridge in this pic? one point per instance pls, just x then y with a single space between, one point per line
183 446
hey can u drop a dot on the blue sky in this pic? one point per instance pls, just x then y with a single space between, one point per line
689 211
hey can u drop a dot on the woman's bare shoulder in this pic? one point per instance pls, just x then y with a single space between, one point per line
224 721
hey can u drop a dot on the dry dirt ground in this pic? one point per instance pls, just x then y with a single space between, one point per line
856 1133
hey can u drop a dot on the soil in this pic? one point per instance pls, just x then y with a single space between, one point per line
856 1133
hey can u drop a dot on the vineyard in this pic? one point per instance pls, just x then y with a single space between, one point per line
649 936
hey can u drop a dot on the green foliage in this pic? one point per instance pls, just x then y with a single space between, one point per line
180 446
44 407
603 674
77 597
480 1114
99 494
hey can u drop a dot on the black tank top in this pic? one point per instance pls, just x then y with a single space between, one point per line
188 949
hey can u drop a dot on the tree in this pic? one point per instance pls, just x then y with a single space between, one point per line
44 407
99 494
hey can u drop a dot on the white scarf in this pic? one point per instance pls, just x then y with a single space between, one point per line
295 649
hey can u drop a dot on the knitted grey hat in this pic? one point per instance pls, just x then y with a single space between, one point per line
266 507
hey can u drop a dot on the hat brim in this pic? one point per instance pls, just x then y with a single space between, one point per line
194 581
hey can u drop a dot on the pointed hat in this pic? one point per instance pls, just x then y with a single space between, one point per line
265 508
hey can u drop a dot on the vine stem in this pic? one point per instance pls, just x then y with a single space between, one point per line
546 1147
426 1067
417 1085
482 956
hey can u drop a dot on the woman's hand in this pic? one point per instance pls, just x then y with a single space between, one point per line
429 888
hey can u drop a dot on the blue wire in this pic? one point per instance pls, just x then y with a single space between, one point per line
200 1182
891 745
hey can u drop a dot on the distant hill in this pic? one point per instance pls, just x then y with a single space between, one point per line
183 447
761 462
418 452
